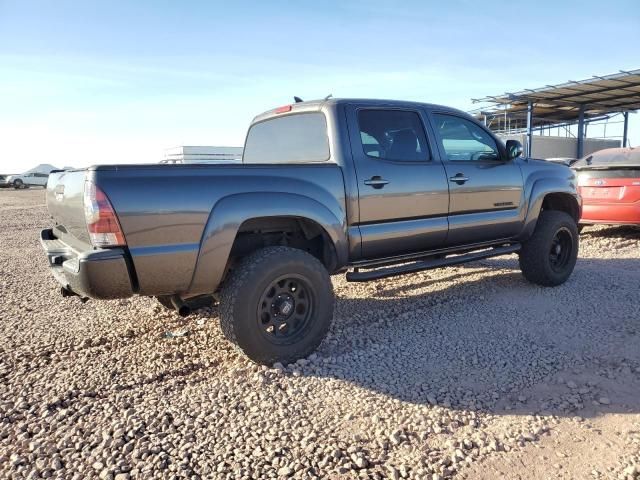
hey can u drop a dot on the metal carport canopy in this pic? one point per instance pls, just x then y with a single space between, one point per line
570 102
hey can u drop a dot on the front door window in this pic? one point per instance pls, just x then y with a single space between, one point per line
463 140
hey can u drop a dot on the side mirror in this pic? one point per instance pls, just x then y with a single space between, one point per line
514 149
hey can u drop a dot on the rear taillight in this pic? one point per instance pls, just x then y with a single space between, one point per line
102 222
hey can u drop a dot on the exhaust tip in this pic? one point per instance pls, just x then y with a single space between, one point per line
182 308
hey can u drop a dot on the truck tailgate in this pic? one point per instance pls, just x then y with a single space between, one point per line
64 197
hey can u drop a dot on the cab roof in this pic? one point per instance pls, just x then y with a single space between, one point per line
317 105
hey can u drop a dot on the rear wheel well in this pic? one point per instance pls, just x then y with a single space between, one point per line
295 232
562 202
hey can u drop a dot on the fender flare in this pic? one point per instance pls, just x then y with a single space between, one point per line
540 189
230 212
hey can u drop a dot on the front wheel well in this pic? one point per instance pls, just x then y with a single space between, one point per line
563 202
296 232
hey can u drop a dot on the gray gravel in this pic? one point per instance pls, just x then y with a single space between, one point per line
448 373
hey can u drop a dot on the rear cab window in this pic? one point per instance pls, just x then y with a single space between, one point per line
294 138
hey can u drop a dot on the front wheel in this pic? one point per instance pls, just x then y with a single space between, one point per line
277 305
549 256
18 184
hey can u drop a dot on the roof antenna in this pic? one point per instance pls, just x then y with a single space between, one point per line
297 99
328 96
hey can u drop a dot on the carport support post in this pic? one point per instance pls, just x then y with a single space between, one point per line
624 130
529 128
580 151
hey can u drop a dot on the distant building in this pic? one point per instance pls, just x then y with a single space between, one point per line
561 147
202 154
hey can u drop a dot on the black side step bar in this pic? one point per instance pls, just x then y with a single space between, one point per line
358 276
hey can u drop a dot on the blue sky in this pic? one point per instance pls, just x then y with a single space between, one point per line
89 82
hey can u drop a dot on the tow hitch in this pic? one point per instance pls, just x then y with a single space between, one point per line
67 292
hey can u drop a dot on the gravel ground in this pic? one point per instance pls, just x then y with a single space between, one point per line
466 372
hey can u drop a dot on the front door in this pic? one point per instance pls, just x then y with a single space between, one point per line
403 191
486 189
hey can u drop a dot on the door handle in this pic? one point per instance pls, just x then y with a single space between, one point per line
376 182
459 178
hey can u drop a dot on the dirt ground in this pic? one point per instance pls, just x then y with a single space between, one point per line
467 372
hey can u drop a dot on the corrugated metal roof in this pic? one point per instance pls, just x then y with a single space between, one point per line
619 92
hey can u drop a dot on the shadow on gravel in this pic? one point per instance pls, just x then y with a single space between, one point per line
177 375
391 292
496 341
624 232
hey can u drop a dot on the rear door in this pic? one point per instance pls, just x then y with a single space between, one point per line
40 179
29 179
402 186
486 189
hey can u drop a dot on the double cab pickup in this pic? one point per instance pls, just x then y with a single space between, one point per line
370 188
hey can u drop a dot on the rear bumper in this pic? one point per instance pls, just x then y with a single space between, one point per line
102 273
611 213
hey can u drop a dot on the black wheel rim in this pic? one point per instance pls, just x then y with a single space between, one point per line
285 309
561 249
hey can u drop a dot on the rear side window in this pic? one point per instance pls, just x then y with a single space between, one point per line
393 135
298 138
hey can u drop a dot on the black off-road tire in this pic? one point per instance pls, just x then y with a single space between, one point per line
540 261
244 299
18 184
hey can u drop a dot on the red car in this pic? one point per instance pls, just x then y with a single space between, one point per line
609 183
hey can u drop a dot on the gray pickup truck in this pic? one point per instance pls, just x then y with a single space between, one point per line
370 187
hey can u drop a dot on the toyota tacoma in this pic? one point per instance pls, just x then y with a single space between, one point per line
373 188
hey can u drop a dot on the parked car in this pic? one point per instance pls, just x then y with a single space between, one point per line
27 180
381 188
561 160
4 181
609 183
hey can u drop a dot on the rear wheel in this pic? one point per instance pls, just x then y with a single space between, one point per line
277 305
549 256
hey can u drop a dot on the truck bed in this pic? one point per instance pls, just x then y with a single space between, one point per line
165 210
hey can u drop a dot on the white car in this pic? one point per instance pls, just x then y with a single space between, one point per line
27 180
